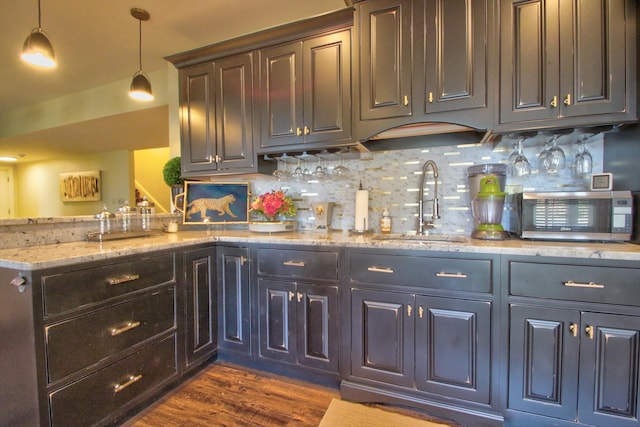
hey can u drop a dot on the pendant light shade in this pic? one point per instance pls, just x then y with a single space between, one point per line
140 85
37 49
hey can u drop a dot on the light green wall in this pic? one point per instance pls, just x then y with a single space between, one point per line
149 179
38 184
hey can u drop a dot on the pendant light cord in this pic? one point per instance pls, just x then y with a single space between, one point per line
140 43
39 16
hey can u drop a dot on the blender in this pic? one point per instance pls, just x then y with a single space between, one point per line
487 208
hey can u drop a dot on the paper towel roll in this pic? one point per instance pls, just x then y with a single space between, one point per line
362 210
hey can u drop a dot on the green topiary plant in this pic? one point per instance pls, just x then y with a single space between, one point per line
171 172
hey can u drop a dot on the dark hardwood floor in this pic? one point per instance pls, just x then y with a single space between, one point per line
224 394
228 395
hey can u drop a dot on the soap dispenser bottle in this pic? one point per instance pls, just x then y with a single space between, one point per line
385 222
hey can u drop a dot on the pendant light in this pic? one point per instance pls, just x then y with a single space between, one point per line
37 49
140 85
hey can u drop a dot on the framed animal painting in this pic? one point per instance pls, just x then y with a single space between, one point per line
215 203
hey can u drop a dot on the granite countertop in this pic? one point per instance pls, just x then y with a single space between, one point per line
55 255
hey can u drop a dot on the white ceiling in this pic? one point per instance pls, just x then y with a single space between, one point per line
96 42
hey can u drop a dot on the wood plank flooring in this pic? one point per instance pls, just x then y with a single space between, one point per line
224 394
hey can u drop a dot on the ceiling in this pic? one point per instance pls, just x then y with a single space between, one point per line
96 42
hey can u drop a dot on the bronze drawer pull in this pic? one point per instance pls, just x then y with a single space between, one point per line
572 284
123 279
381 270
294 263
125 328
451 275
131 380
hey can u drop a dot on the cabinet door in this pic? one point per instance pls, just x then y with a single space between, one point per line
277 319
384 32
609 360
200 304
529 54
281 95
593 66
317 323
197 104
453 347
233 299
543 361
234 112
327 87
455 54
382 337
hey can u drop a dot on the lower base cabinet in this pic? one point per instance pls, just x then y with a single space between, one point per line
201 322
574 365
298 323
437 345
234 310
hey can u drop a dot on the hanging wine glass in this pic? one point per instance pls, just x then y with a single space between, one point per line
584 160
514 154
544 158
281 173
558 159
297 173
521 165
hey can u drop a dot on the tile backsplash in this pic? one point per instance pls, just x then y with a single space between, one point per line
392 178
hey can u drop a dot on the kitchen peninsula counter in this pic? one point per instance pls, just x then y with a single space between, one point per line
55 255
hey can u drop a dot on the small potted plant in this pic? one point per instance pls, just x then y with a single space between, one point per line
273 206
171 173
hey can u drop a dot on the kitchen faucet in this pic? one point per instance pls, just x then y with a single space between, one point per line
436 209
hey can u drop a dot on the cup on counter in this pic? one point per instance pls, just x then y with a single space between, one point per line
172 227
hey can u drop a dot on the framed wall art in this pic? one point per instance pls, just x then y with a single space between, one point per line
80 186
216 203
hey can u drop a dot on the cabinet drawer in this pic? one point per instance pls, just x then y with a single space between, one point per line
591 283
472 275
68 290
293 263
106 332
95 397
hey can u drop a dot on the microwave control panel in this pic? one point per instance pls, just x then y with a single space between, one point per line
622 215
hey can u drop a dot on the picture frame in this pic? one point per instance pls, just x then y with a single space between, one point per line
215 203
82 186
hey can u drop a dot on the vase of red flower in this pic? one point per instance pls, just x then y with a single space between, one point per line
273 206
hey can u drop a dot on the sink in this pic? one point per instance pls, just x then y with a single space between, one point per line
446 238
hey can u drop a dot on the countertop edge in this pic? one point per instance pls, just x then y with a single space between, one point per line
63 254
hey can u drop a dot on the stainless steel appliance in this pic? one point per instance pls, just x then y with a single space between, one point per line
584 215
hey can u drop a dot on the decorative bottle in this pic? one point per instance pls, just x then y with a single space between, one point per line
385 222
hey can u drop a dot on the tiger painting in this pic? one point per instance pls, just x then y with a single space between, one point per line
202 205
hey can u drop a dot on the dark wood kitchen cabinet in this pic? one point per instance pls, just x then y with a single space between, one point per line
201 320
438 345
85 344
298 307
216 102
305 93
567 63
574 342
423 61
421 325
234 310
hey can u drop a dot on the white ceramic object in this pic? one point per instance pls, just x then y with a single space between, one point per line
272 226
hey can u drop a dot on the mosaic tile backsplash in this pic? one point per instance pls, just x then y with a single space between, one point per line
393 179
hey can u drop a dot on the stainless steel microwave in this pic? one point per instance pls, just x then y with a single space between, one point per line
583 215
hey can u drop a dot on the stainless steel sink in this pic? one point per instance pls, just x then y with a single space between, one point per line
447 238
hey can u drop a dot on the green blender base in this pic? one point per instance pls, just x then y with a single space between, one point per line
490 232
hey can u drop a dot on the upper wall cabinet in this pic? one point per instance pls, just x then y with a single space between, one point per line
567 63
217 116
422 61
306 93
